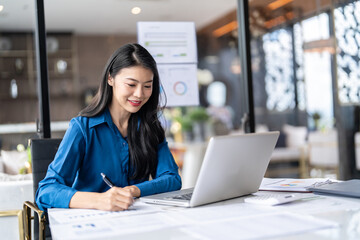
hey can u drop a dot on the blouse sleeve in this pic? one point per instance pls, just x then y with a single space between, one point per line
55 189
167 176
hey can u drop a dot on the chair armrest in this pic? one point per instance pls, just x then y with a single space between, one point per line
31 205
27 207
19 214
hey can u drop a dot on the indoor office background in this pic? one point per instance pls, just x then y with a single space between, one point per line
303 79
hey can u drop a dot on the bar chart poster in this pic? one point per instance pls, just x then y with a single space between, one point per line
180 84
173 46
169 42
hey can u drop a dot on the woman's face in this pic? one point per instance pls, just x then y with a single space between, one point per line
132 88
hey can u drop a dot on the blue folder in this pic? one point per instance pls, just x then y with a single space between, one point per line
350 188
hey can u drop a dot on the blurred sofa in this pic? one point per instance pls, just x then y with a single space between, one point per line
14 190
289 157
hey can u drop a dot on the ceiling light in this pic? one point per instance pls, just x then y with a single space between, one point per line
279 3
1 8
225 29
135 10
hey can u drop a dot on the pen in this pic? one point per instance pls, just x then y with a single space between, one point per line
107 180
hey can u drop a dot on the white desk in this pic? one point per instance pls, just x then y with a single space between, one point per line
339 218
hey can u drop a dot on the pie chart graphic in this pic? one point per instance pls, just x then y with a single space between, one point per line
180 88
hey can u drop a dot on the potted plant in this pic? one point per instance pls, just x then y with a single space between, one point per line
316 117
186 127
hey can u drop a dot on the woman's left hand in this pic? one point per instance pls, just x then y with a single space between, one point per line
134 190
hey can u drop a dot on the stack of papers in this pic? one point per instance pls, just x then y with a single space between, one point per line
224 220
292 185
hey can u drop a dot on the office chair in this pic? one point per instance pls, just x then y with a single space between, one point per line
42 153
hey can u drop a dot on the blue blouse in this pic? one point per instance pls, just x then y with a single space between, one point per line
92 146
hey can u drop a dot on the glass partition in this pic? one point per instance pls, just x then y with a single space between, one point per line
80 44
18 78
18 111
304 58
77 53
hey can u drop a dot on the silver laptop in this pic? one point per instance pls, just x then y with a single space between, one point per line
233 166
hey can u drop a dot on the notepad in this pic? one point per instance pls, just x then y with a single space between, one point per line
350 188
291 184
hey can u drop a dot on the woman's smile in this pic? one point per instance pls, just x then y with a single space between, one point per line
135 103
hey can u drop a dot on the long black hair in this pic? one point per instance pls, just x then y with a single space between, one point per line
143 138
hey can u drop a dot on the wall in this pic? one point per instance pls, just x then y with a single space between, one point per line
93 53
89 54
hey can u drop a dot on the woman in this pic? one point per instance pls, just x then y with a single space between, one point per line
118 134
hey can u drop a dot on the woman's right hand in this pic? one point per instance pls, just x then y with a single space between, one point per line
115 199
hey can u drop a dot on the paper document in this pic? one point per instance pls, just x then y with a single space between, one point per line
180 84
231 219
169 42
75 215
110 227
291 184
173 46
267 226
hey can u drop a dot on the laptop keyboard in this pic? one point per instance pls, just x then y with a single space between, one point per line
186 196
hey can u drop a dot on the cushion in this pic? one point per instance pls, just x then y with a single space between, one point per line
19 177
1 165
295 135
13 161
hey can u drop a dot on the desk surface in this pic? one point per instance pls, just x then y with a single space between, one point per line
315 217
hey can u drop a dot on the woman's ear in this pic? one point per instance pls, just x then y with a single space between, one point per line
110 80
